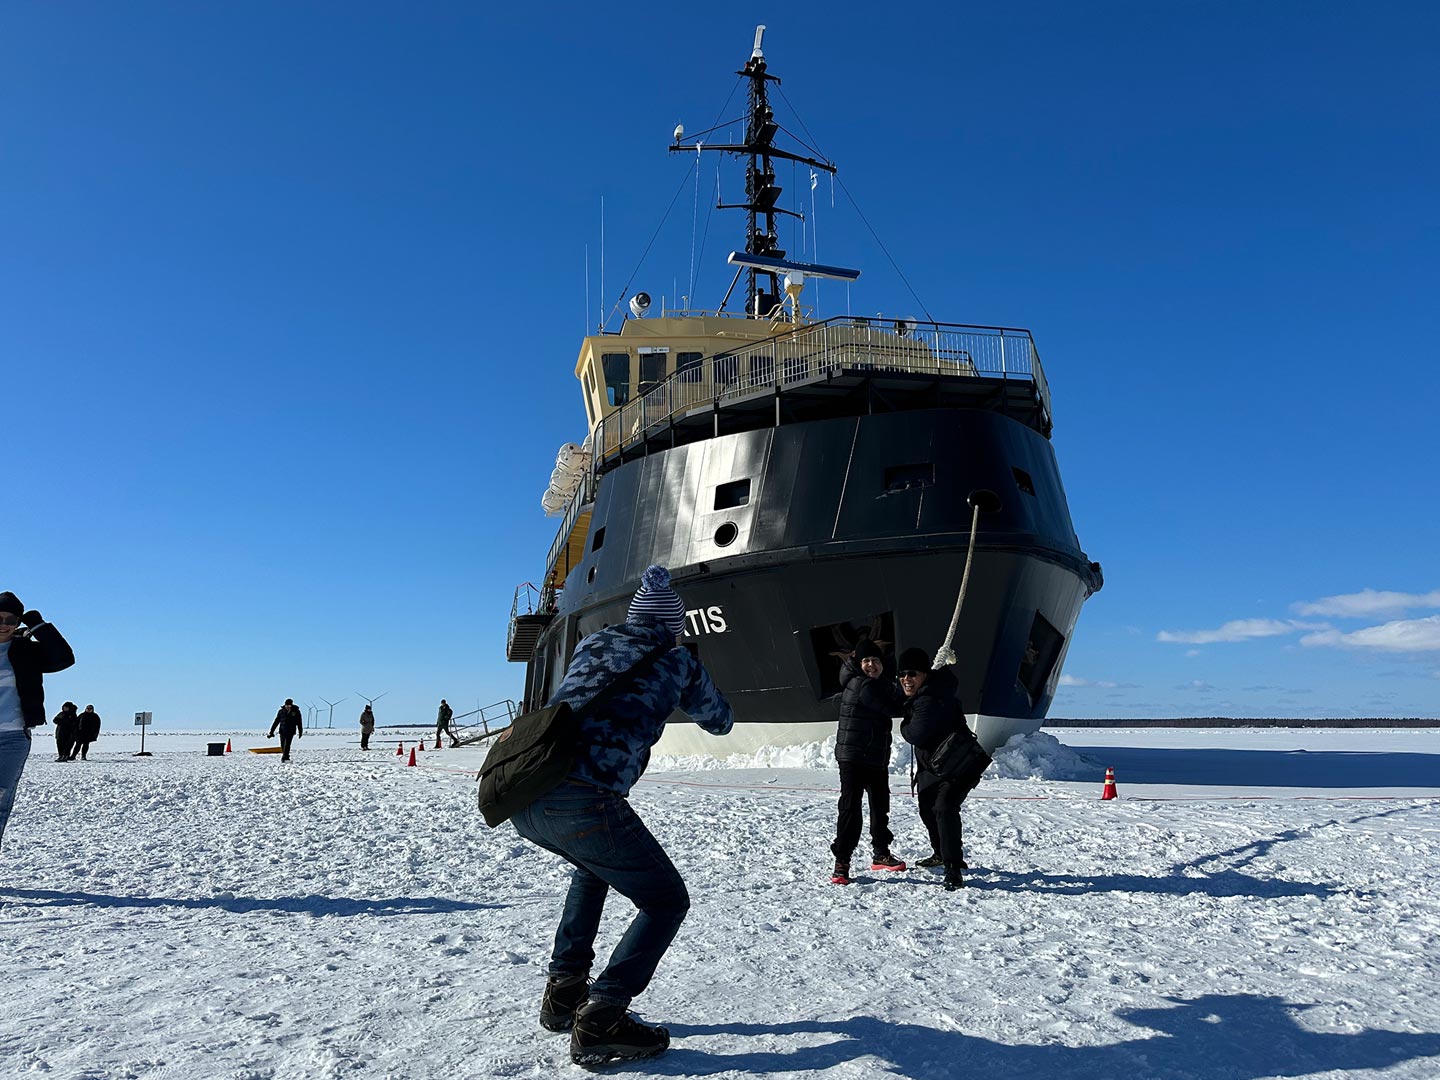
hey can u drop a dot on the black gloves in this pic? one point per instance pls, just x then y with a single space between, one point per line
32 619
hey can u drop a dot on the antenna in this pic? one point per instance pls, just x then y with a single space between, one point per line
332 705
759 33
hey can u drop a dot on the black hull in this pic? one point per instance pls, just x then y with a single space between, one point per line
851 525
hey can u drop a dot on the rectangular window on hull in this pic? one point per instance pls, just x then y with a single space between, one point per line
1040 656
905 477
616 367
735 493
1023 481
833 642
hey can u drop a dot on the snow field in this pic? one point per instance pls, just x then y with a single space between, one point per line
345 916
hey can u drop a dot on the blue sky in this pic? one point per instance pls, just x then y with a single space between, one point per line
290 298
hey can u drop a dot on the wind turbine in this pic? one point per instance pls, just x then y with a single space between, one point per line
332 705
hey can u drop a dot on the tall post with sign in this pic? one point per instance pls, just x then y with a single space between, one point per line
142 721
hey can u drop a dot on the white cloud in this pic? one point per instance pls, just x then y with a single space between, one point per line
1367 604
1198 685
1100 684
1236 630
1402 636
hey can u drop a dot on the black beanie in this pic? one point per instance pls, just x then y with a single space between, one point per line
914 659
867 648
11 603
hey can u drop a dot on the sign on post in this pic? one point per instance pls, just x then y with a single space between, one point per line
142 721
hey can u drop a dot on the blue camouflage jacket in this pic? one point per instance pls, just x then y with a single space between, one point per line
615 744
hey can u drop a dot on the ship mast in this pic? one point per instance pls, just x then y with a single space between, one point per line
762 239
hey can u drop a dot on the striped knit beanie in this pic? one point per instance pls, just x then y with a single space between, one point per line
657 601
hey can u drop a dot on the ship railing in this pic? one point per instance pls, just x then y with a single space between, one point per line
584 496
809 352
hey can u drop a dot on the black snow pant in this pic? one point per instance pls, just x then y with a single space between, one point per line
870 781
940 811
64 746
285 740
364 740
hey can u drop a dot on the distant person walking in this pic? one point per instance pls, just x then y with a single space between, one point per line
89 732
862 750
933 711
287 722
67 732
26 657
442 723
588 821
367 727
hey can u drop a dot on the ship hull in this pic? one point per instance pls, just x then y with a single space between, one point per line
848 527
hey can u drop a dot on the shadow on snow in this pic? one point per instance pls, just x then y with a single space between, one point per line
1216 1036
300 905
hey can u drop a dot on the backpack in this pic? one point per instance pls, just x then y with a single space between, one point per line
537 751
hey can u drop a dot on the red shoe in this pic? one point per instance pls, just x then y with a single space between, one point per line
886 861
841 876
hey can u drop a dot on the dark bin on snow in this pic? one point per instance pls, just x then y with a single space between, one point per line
217 749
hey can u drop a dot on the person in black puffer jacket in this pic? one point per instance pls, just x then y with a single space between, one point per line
862 750
932 711
26 657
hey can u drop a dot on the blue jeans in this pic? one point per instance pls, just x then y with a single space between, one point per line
14 749
604 839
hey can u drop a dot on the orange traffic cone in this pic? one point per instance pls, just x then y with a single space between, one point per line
420 745
400 749
1109 791
412 758
227 746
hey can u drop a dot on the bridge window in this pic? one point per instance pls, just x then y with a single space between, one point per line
687 366
762 370
652 370
727 371
617 376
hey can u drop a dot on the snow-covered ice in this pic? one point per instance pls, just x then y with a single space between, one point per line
1257 904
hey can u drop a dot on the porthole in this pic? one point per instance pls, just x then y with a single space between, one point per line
725 535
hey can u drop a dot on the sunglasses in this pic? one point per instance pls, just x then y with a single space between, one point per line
912 674
9 620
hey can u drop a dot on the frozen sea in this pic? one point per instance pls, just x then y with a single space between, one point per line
1256 904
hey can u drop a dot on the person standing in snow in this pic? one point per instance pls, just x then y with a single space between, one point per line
933 711
89 732
287 721
67 731
367 727
442 723
588 821
25 659
862 750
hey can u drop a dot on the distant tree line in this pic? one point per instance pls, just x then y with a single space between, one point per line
1252 722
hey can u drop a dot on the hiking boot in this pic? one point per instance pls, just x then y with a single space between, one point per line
841 874
932 861
953 878
563 995
605 1032
885 861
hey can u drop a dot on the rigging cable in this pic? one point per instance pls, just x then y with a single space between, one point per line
648 246
835 179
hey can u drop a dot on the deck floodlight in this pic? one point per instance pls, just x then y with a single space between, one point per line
640 304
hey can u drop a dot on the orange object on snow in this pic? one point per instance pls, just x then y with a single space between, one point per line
1109 791
412 758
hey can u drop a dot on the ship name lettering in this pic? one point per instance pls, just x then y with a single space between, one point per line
709 620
